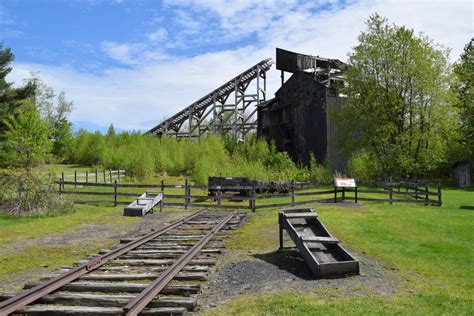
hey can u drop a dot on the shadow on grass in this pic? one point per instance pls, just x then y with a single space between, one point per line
466 207
289 260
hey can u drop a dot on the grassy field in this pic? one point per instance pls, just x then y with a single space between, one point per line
430 247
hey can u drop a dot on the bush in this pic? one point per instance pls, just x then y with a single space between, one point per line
144 155
30 193
362 166
319 172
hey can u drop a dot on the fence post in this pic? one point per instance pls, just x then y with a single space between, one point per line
115 193
118 175
439 192
87 176
218 198
292 192
343 194
62 179
186 194
356 194
254 201
390 188
75 178
280 229
426 196
162 200
335 194
60 186
105 179
110 175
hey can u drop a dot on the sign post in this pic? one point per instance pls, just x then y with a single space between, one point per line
344 183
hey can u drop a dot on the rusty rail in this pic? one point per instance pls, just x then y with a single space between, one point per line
136 305
15 303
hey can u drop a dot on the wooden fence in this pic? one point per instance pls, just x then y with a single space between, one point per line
97 176
190 195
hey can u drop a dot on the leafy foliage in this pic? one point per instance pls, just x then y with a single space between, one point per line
397 108
144 155
319 172
363 166
463 88
30 193
54 110
11 99
27 143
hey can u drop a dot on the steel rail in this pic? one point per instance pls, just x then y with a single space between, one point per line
17 302
136 305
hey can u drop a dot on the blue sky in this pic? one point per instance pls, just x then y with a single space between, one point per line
132 63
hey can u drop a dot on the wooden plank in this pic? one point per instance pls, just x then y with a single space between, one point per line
321 239
120 287
103 300
301 215
157 262
186 276
85 310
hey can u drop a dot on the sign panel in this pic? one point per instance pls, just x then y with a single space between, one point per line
345 182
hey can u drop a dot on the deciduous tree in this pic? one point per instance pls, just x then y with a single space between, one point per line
397 108
463 88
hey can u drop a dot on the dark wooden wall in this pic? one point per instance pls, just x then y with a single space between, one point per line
296 120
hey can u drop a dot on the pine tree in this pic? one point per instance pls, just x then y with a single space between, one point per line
11 99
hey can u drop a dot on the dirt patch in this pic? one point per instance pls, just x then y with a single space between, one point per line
244 273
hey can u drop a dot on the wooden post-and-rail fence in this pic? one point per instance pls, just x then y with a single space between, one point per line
232 197
103 176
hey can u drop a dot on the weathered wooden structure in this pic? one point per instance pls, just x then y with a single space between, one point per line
300 118
231 108
462 174
144 204
246 186
321 251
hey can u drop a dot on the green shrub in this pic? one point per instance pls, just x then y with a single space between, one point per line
319 172
362 166
30 193
144 155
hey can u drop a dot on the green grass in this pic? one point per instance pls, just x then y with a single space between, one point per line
14 229
334 303
18 230
51 257
430 247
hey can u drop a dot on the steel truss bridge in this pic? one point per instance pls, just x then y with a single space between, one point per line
229 109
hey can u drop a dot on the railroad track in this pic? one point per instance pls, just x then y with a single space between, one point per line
156 274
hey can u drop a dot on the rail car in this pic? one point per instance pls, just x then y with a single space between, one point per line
245 186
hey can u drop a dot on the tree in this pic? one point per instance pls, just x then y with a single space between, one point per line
397 108
27 143
11 99
463 88
54 110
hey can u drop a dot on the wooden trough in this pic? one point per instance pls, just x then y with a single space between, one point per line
320 250
144 204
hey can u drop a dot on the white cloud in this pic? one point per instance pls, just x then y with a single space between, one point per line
159 85
5 18
118 51
158 36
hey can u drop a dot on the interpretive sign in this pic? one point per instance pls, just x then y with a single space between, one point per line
344 182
